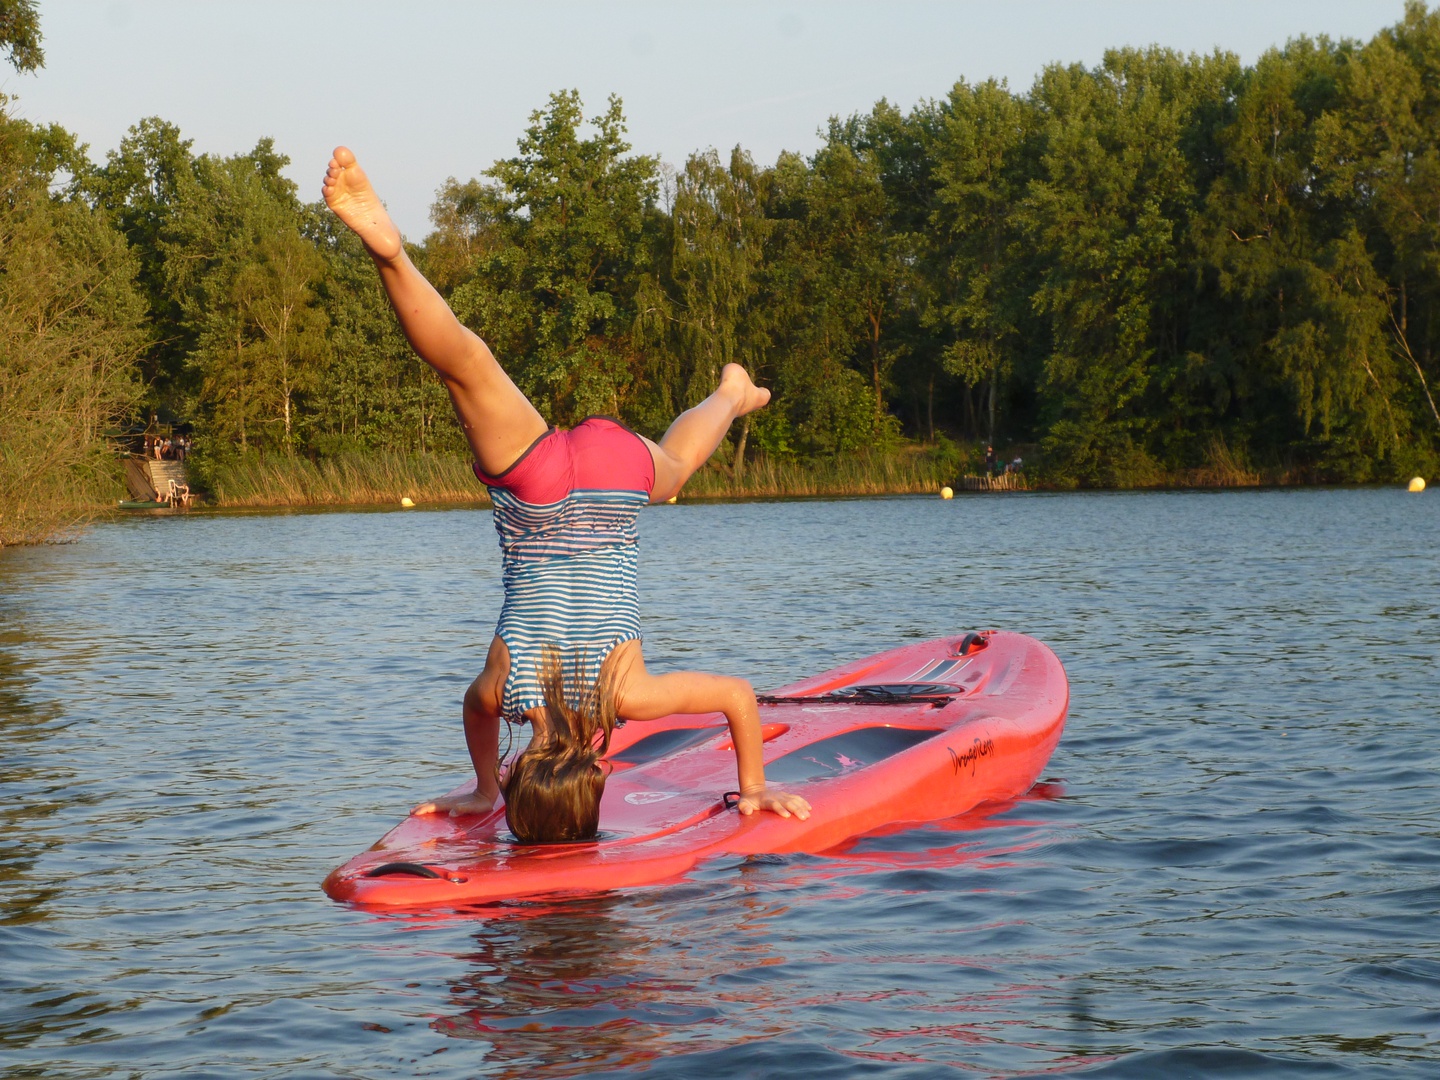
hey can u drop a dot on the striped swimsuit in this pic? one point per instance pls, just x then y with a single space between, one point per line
566 515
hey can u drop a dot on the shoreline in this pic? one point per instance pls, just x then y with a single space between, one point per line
378 479
479 501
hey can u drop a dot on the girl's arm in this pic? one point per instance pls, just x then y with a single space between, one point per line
642 696
481 714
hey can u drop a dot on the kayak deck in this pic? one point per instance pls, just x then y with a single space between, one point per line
934 729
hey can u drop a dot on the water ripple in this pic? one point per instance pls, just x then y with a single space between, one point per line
1230 870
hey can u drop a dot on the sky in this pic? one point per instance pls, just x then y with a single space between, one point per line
428 89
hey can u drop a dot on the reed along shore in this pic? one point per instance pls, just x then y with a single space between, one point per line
383 478
259 481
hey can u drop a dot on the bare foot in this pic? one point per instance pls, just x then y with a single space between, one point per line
737 380
348 192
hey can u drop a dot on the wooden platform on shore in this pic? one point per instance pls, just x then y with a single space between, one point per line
1012 481
162 472
155 483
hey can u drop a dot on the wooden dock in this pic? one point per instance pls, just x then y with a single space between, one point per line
162 472
156 482
1011 481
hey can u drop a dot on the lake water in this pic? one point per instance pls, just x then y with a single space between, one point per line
1232 867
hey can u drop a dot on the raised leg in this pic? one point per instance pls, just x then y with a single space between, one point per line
696 433
499 421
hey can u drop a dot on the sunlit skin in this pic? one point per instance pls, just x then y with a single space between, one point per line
500 423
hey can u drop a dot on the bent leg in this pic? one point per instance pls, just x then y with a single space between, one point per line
696 433
499 421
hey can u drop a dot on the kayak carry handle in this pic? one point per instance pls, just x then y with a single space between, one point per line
411 868
731 799
971 640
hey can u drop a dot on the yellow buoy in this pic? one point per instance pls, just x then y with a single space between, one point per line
407 502
1417 483
946 493
671 499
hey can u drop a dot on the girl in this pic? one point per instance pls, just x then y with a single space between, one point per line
566 654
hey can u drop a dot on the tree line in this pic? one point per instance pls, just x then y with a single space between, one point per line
1156 266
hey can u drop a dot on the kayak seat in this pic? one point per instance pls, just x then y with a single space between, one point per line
844 753
653 747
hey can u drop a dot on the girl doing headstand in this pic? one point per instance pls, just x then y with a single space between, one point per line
566 654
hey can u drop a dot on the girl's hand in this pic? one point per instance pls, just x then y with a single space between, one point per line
777 802
457 805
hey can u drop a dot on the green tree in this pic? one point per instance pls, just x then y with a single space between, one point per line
372 392
864 262
555 300
975 256
719 229
274 294
1377 151
902 149
466 232
20 34
244 278
1295 343
140 185
830 288
70 332
1108 214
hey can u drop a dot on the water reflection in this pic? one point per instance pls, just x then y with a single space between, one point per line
735 957
602 983
29 775
28 778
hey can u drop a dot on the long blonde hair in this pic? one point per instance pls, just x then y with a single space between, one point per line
553 787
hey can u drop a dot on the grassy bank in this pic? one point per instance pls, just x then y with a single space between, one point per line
382 478
869 475
347 480
45 498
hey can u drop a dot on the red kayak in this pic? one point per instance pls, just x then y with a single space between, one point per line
915 734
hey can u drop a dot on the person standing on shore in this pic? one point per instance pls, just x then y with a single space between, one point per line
566 655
